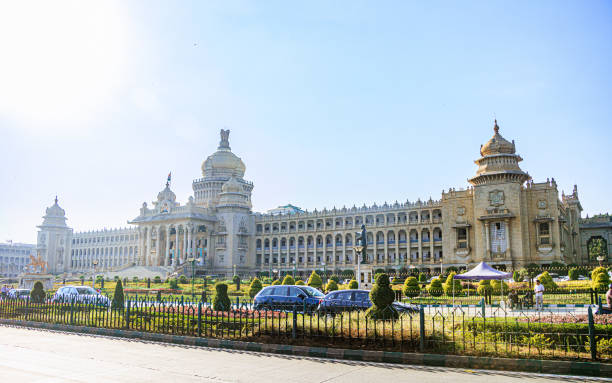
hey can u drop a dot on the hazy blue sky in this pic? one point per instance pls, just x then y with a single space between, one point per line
329 103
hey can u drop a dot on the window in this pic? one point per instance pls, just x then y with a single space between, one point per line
498 237
462 238
544 233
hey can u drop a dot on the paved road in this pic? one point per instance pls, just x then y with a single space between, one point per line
46 356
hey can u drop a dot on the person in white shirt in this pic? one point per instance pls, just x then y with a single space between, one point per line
539 294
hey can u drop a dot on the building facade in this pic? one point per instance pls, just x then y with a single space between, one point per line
503 217
14 257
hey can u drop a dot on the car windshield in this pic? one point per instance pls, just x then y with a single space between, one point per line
23 292
86 291
312 292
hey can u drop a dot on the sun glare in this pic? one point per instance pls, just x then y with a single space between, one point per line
60 61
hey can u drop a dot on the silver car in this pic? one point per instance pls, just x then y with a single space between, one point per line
80 294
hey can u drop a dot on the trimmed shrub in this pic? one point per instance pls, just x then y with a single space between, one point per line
38 295
411 287
598 270
157 279
335 278
288 280
353 284
601 282
236 280
382 296
255 287
547 281
173 284
315 280
573 274
331 286
221 301
300 282
276 282
497 287
135 279
116 278
517 277
118 298
183 280
484 288
452 285
435 288
422 278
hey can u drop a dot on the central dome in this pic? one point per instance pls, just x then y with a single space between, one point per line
223 163
497 144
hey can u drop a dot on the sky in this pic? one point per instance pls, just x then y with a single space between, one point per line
329 103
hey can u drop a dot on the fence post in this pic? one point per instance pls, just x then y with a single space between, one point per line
200 319
599 303
592 300
482 307
237 303
422 329
127 315
294 330
592 335
72 312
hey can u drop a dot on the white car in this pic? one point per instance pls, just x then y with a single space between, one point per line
80 294
19 294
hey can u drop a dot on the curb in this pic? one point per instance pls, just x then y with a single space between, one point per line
559 367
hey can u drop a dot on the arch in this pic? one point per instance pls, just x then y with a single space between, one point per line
437 234
391 219
258 244
437 214
300 241
339 240
597 246
401 236
328 240
370 237
348 239
267 243
414 236
283 242
390 237
425 235
413 217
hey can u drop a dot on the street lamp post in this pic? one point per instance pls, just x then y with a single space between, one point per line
600 259
95 263
294 266
274 271
361 244
324 273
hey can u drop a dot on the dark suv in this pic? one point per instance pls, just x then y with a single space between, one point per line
346 300
286 297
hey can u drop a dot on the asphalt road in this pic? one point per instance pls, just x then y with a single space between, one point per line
28 355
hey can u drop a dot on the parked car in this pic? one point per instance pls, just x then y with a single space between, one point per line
19 294
346 300
80 294
285 297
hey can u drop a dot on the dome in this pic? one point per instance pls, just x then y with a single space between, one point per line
232 186
497 144
55 211
166 195
223 162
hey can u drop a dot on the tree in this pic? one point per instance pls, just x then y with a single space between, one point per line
157 279
300 282
573 274
547 281
484 288
38 295
382 297
135 279
422 278
435 288
236 280
597 270
601 282
597 248
288 280
82 278
517 277
331 286
183 280
411 287
221 301
452 285
496 287
315 280
118 298
173 284
353 284
255 287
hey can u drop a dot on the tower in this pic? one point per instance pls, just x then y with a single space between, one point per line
54 240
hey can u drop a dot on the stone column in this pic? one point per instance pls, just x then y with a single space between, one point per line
176 247
431 247
184 252
487 240
508 240
189 251
167 255
157 247
147 254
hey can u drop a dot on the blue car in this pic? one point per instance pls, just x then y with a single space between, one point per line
347 300
286 297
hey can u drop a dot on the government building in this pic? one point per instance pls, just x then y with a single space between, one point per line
503 217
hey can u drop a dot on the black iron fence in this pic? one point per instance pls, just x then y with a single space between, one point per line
487 330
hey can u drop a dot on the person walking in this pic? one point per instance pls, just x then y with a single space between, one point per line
539 294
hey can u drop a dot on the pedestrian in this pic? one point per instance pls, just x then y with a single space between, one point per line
4 291
609 297
539 294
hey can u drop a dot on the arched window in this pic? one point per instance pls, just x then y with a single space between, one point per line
544 229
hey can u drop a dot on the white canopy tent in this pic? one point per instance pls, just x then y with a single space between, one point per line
482 271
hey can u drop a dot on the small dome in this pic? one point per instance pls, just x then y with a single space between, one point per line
55 211
223 162
231 186
166 195
497 144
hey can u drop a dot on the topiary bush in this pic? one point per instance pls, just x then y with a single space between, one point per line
353 284
255 287
300 282
331 286
173 284
517 277
422 278
157 279
276 282
288 280
118 298
547 281
496 287
452 285
435 288
411 287
38 295
135 279
601 282
484 288
315 280
221 301
183 280
382 297
573 274
335 278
